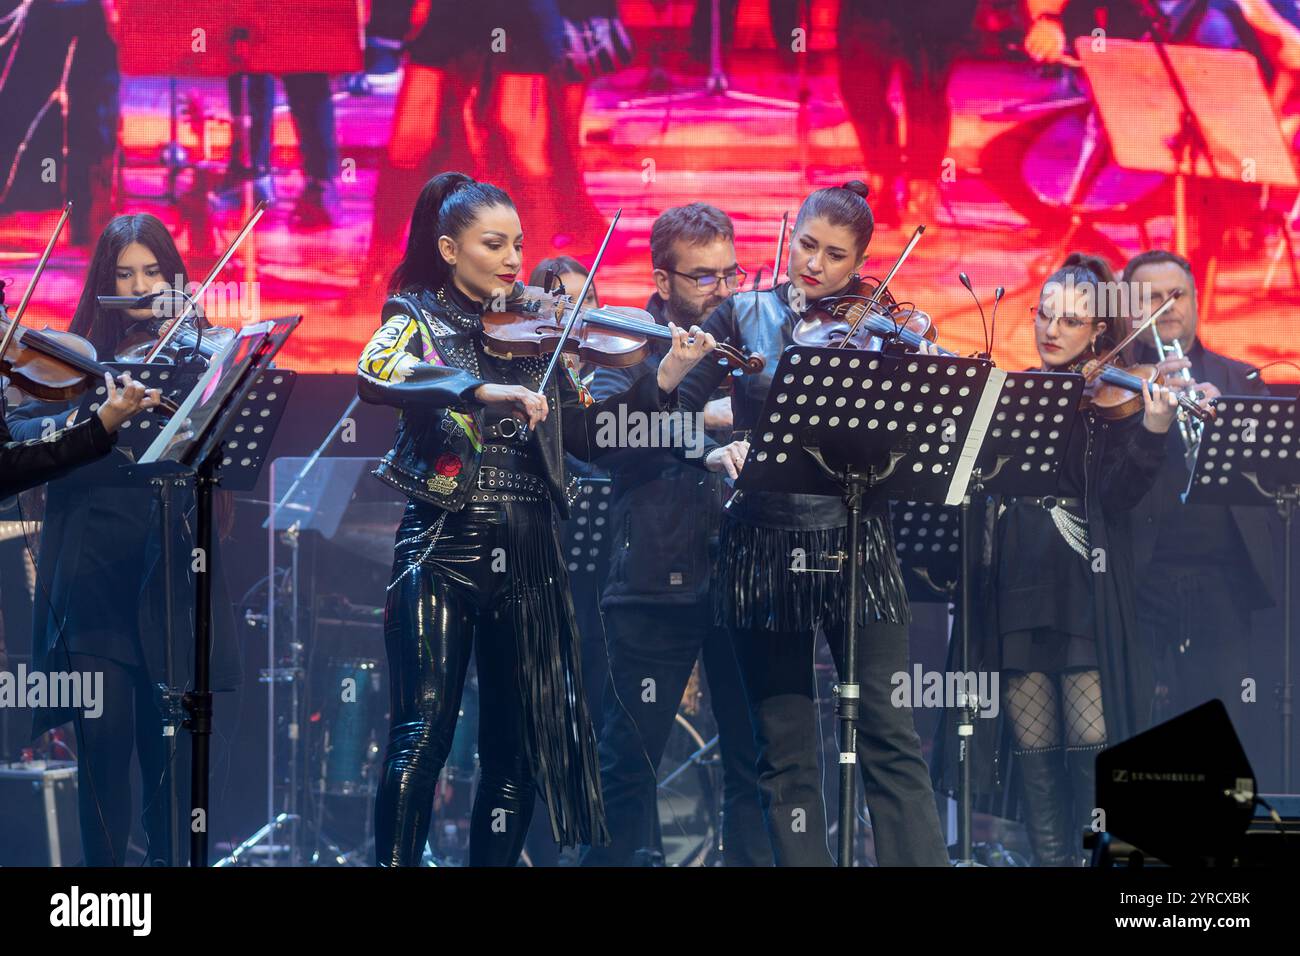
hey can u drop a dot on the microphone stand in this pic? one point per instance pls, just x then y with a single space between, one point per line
1190 140
290 817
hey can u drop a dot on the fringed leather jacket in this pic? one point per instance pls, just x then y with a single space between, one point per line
426 360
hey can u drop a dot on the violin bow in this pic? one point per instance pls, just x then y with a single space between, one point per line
577 306
874 301
31 286
192 301
780 247
1165 306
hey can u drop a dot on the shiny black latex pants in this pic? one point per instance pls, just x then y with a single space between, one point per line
447 599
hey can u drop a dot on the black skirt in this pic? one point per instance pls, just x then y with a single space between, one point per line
1045 650
758 588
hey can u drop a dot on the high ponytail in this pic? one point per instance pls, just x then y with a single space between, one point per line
448 204
1095 278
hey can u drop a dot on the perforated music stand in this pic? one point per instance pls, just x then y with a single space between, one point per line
927 540
1250 455
137 433
223 413
849 423
1021 455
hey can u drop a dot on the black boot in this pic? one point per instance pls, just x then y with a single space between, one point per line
1047 801
1081 763
503 809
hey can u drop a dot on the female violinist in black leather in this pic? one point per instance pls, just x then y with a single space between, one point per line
477 563
1053 601
774 613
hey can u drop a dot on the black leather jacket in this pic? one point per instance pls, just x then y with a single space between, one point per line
761 322
426 360
49 452
664 514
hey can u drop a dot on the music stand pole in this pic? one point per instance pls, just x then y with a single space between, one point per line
1228 470
1286 501
848 689
199 700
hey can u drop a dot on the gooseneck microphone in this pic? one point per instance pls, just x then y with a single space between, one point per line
998 293
965 280
127 301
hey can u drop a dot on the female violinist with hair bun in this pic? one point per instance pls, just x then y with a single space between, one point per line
480 452
100 605
774 613
1053 596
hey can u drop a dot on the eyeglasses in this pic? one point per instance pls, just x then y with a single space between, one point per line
1068 323
734 279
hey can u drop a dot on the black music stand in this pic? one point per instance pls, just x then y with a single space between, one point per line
134 437
927 541
1250 455
847 423
1021 457
231 416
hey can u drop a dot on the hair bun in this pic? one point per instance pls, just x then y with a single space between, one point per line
1094 264
857 187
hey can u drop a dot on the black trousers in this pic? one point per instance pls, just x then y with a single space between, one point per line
447 600
1201 643
651 654
131 719
780 685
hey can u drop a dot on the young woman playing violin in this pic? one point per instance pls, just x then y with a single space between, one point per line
480 454
774 613
1053 593
100 591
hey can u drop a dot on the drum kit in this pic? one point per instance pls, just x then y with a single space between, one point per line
329 695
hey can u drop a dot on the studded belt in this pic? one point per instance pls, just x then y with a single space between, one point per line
509 477
1051 501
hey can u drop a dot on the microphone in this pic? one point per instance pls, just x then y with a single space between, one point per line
965 280
998 293
1255 373
127 301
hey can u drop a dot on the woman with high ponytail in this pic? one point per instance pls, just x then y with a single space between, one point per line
479 452
773 613
1053 593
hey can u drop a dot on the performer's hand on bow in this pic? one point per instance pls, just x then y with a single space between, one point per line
525 404
687 350
728 458
122 404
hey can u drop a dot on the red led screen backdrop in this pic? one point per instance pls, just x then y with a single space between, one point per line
336 112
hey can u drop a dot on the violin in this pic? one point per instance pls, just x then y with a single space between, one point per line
867 312
611 336
50 365
860 316
188 340
1116 393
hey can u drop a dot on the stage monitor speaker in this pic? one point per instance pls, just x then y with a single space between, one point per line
1182 792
